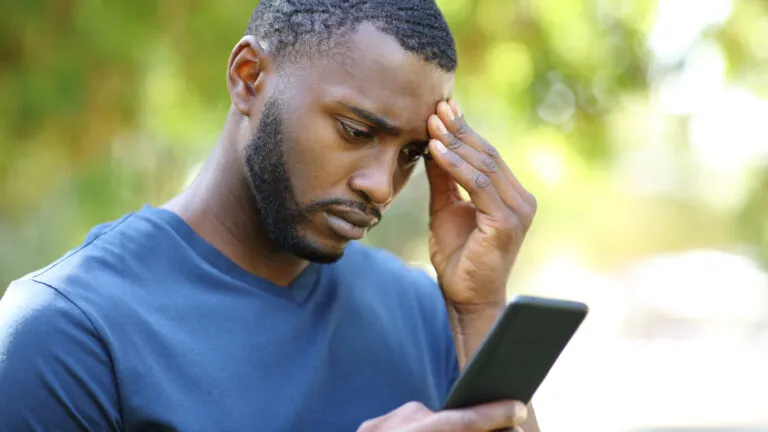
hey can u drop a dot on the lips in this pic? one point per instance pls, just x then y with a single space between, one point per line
355 217
350 224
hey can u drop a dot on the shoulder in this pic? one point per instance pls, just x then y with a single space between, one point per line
381 266
99 274
112 249
98 245
58 302
30 303
411 301
131 235
53 364
387 279
36 319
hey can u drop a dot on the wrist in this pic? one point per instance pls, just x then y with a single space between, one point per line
476 318
470 324
468 310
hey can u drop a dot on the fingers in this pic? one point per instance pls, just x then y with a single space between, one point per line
402 416
452 130
481 418
460 124
477 184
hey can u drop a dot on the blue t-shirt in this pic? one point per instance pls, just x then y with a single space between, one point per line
146 326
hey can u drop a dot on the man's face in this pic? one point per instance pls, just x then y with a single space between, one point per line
338 141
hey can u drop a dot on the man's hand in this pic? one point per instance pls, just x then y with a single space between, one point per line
415 417
473 244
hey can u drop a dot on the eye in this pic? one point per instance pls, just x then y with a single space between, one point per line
410 154
354 133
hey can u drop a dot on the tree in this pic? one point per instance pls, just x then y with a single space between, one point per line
108 105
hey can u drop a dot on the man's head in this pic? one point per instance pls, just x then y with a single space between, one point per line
335 96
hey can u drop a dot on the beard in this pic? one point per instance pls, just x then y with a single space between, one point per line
279 210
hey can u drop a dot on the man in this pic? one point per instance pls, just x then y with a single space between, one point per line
245 303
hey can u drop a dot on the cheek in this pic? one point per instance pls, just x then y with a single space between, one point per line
401 178
316 160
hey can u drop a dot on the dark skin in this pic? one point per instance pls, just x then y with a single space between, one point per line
355 129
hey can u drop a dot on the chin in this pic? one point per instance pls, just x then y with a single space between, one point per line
321 250
319 255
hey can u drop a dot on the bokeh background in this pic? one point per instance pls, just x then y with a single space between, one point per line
641 126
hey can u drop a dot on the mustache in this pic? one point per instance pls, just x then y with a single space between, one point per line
352 204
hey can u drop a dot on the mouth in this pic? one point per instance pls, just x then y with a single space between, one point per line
349 223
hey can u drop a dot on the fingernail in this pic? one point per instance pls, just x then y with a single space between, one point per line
440 147
521 412
441 127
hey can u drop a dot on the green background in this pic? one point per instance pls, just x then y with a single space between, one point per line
640 126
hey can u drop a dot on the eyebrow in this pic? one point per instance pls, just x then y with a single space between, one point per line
377 121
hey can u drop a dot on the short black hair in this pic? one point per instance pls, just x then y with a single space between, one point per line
293 28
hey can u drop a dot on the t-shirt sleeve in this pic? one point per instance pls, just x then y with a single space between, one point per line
55 372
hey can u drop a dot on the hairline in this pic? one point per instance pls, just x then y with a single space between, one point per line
337 45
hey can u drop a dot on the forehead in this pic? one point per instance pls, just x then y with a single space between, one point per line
372 71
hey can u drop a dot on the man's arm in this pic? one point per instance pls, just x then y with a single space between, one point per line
473 243
55 373
470 327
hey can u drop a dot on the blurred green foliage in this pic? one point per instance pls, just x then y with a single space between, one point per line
105 106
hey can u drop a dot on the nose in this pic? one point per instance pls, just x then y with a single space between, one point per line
375 181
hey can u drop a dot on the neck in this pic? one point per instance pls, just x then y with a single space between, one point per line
220 207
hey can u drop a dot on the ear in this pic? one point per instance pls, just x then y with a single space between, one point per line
247 72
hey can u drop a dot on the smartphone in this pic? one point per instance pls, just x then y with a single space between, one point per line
519 352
